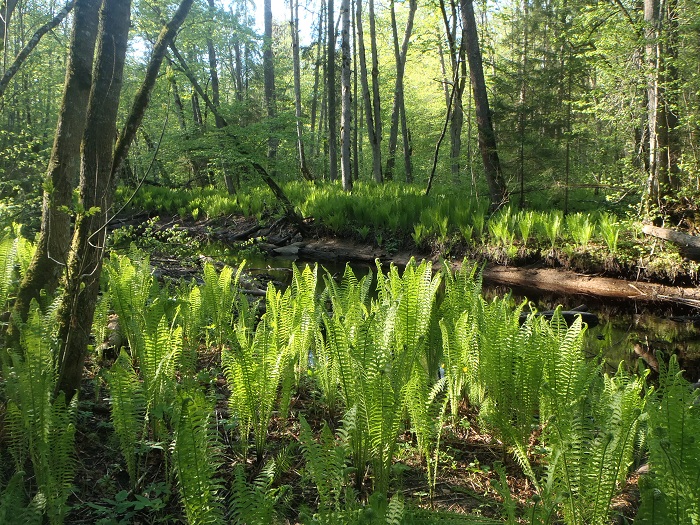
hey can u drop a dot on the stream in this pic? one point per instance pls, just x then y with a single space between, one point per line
627 331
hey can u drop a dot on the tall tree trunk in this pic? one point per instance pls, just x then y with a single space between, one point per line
51 256
366 97
346 119
215 94
522 99
96 193
332 109
487 137
399 106
294 27
317 69
179 108
269 78
355 100
376 101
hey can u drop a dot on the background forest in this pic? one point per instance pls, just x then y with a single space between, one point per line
601 97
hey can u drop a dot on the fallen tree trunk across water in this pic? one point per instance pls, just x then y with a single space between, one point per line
567 282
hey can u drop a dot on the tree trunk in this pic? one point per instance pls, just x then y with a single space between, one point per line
7 9
179 108
269 80
315 97
51 256
96 194
332 109
366 97
294 27
522 99
376 102
399 106
487 137
346 87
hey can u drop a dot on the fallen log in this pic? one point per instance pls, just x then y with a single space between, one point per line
688 245
567 282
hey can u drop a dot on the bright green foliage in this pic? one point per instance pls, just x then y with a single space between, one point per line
128 409
195 460
132 291
592 440
581 228
376 356
254 503
610 230
255 367
8 253
671 492
41 425
302 311
327 462
219 301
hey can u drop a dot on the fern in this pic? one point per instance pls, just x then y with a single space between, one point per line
219 297
255 369
326 463
254 503
8 257
671 494
42 424
195 459
128 409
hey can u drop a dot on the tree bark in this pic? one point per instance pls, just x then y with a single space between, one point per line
7 9
399 107
487 137
269 80
294 27
366 97
346 120
376 100
332 106
96 194
315 97
29 47
51 256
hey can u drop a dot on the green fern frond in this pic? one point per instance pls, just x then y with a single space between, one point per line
254 503
195 459
672 493
128 409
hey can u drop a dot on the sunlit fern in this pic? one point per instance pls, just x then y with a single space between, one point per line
195 458
671 491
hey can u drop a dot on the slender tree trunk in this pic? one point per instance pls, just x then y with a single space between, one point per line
96 193
332 109
317 69
399 106
51 256
355 101
376 101
294 26
269 78
522 99
366 97
346 119
487 137
179 108
29 47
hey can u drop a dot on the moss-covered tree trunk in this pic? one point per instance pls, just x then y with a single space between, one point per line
96 195
51 255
